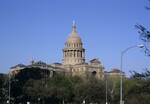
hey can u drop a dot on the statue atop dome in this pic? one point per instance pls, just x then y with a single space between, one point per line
73 26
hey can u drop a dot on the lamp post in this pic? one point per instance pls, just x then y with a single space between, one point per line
106 90
122 53
9 89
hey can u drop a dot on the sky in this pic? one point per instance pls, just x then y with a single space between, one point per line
38 29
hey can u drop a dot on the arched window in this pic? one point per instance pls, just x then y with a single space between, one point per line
93 73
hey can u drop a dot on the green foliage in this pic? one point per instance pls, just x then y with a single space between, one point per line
32 73
73 90
138 91
112 84
63 88
141 90
59 87
91 90
20 79
134 91
35 89
3 86
139 99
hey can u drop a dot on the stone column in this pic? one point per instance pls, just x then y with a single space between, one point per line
63 54
72 53
83 54
67 54
76 53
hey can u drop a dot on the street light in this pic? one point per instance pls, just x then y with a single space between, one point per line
9 88
122 52
106 90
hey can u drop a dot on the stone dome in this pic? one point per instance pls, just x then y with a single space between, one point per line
73 36
73 53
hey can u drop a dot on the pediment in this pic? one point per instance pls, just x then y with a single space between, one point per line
95 61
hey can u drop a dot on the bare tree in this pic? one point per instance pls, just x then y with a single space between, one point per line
145 34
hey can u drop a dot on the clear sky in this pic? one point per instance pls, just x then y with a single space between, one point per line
38 29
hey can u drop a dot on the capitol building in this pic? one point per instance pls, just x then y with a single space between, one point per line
73 61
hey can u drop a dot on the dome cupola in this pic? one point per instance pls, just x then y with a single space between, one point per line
73 36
